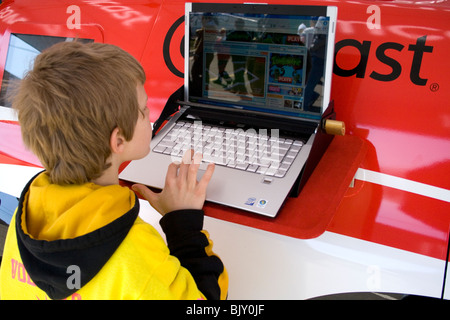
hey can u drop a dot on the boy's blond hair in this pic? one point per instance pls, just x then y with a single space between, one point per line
71 101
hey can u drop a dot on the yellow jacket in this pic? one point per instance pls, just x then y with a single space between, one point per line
87 242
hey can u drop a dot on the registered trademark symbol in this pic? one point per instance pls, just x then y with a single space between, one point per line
434 87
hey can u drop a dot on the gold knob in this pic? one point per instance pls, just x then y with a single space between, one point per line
334 127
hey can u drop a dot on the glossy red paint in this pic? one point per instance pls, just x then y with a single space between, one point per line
390 87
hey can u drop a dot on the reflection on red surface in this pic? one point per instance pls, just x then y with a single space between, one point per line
12 147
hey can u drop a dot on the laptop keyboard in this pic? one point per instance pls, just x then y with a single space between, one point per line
251 151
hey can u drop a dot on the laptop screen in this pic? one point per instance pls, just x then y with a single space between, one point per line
265 58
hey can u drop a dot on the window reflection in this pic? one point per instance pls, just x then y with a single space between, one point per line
22 50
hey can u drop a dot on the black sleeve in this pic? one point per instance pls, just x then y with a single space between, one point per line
186 242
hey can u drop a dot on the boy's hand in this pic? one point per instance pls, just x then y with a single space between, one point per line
181 190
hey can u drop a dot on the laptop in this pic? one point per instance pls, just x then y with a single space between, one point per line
256 84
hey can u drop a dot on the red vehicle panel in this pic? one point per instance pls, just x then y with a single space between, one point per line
390 87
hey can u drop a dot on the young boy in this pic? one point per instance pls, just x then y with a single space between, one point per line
76 233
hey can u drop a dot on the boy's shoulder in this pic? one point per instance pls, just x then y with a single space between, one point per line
144 239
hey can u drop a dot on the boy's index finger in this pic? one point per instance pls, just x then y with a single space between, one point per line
193 169
187 156
197 159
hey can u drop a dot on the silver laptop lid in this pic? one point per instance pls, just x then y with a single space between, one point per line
273 59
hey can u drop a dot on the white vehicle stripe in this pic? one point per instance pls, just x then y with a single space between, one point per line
403 184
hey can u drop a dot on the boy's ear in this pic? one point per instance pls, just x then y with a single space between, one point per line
117 141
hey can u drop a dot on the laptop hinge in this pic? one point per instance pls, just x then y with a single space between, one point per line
172 106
